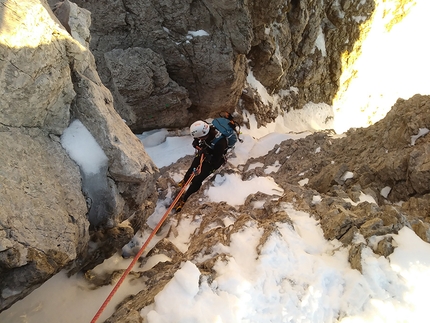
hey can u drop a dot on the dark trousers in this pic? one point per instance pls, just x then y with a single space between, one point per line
197 181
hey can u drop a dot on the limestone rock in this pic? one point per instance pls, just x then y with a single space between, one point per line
132 171
377 157
203 46
62 12
167 248
337 223
48 78
419 168
349 236
418 206
34 92
399 165
371 227
76 20
129 166
106 242
422 229
43 214
355 256
208 48
339 208
385 247
143 91
328 177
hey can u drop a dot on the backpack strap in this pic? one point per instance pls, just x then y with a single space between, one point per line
217 138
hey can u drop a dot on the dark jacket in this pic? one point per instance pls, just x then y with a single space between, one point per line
214 154
213 159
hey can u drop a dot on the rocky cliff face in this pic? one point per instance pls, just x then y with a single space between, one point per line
163 64
389 161
48 78
208 49
323 175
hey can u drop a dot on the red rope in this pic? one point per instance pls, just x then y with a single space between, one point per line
142 249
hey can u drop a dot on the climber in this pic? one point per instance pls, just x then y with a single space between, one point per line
212 144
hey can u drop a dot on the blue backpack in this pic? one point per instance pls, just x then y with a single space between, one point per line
227 130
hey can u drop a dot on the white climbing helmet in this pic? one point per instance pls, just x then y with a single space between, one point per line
199 129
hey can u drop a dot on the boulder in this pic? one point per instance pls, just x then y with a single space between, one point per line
422 229
43 224
143 91
385 247
355 256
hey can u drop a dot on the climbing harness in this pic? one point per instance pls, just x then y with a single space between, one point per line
142 249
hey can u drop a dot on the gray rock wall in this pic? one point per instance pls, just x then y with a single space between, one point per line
209 47
43 225
47 79
143 90
203 45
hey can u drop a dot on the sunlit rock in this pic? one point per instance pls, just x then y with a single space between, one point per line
48 78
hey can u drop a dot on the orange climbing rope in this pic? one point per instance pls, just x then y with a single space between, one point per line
142 249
